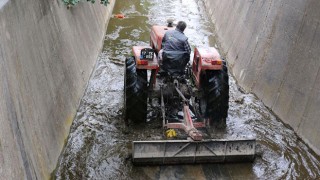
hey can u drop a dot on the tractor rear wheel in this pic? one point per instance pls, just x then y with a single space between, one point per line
214 103
135 92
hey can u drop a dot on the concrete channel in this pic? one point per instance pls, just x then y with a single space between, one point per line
98 146
47 54
273 47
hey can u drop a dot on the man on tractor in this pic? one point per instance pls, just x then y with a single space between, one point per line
186 101
175 50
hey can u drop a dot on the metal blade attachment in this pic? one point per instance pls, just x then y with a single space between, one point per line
190 152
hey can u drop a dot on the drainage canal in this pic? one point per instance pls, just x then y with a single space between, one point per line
98 146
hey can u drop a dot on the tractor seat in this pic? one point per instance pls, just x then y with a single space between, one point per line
174 62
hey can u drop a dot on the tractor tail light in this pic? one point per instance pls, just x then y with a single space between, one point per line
142 62
216 62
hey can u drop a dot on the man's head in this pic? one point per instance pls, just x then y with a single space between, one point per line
170 22
181 26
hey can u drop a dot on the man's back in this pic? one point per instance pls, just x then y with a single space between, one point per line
176 50
174 40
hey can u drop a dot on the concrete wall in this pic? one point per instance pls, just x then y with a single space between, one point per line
47 54
273 48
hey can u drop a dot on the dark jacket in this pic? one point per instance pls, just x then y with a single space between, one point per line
176 52
175 40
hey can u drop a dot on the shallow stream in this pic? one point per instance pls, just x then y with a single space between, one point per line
99 145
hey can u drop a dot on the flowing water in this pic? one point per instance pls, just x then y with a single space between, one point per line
99 145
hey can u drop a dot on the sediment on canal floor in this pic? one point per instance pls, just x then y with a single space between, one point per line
47 53
273 49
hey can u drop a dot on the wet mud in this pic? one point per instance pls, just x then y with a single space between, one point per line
99 144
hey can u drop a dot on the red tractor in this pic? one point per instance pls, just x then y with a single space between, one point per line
197 97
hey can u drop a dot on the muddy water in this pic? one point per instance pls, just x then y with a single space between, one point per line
98 146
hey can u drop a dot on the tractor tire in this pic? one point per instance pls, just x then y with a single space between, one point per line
215 100
135 92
